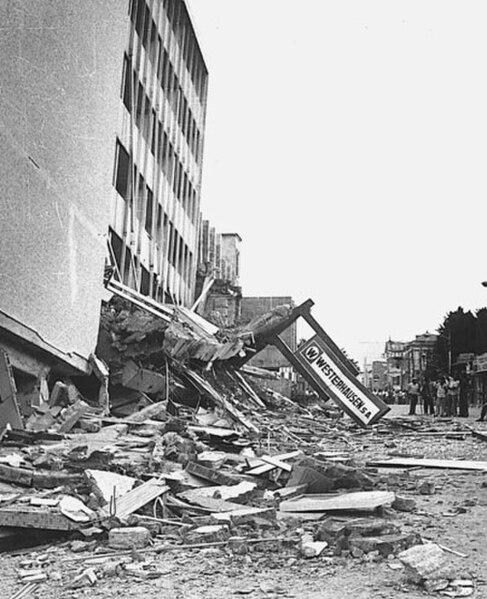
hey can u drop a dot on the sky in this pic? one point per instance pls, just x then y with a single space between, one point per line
346 142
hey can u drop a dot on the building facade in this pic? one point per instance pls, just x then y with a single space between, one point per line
408 360
59 101
102 112
155 200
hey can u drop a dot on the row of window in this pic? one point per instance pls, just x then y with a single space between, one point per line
178 18
145 114
178 254
182 187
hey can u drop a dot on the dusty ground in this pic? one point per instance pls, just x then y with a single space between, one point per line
454 516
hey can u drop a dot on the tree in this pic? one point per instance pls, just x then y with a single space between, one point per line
460 332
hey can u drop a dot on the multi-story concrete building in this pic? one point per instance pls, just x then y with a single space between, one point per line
102 112
155 201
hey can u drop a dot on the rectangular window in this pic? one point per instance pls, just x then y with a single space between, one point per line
126 92
159 217
147 127
184 191
176 177
122 171
144 281
146 31
170 243
117 247
139 107
159 154
153 43
164 69
175 248
154 134
139 20
148 211
180 255
141 198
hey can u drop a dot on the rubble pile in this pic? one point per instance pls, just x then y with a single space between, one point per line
194 454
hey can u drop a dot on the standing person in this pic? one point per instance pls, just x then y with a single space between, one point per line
413 394
463 396
427 397
440 397
451 397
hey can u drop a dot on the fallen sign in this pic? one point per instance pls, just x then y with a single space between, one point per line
326 368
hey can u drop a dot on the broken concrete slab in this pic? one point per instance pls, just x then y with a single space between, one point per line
70 416
240 490
107 485
141 379
388 544
358 501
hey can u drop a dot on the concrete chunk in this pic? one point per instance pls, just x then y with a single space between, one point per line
423 561
126 538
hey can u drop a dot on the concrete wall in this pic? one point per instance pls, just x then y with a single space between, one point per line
60 79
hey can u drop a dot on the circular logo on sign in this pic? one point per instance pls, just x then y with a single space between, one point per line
312 352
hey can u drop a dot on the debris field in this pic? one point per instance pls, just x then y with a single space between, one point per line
176 471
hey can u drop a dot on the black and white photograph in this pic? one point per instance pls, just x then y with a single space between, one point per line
243 299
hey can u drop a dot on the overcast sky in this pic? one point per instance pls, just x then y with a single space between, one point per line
346 143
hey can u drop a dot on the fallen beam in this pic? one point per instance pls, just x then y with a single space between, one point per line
358 501
137 498
428 463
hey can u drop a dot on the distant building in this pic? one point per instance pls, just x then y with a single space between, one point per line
419 356
406 360
218 276
379 380
395 355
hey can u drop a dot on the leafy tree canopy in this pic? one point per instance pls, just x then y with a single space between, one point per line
460 332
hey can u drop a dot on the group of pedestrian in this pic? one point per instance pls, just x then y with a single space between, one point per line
447 396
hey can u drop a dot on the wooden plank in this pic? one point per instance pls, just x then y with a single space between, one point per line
137 498
267 467
214 505
248 389
276 463
429 463
214 431
223 492
357 501
204 387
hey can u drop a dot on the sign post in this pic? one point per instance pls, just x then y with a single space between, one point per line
330 373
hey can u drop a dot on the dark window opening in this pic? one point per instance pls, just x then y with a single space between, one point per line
148 211
122 171
144 281
126 91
